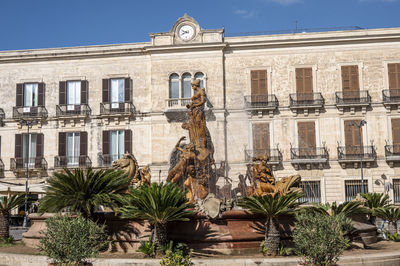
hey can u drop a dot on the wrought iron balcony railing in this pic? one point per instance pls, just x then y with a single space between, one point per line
2 114
309 154
81 161
117 108
306 99
392 152
353 153
1 166
274 155
37 163
391 96
73 110
177 103
107 159
30 112
261 101
347 98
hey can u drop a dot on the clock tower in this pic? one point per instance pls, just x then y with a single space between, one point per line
187 30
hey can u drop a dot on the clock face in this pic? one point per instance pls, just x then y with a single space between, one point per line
186 32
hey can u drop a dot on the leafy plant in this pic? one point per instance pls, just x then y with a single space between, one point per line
263 247
177 258
394 237
285 251
147 247
348 209
6 205
376 200
320 239
159 204
72 240
82 191
7 241
391 214
272 206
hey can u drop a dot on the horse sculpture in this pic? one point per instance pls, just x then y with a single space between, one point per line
129 164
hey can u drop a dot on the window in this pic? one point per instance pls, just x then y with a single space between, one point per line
261 139
353 187
29 149
304 84
73 148
117 146
350 82
396 135
394 79
259 86
117 90
74 92
352 137
311 192
174 86
28 146
30 95
306 138
186 86
200 76
396 190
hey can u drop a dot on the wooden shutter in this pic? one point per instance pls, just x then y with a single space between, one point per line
106 142
63 92
128 90
352 137
41 93
394 79
39 145
306 134
259 84
106 90
20 95
84 91
128 140
62 144
18 146
83 143
396 131
350 82
304 84
261 137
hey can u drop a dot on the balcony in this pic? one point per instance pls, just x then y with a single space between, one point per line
117 111
175 109
259 104
351 155
33 112
2 117
19 165
391 99
392 154
306 102
1 168
72 113
274 155
105 160
309 157
82 161
352 100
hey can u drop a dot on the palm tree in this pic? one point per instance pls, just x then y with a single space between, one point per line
391 214
272 206
6 205
82 191
348 208
375 200
159 204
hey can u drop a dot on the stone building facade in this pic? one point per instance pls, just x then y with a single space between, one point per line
297 97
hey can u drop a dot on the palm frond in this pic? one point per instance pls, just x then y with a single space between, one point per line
8 203
391 214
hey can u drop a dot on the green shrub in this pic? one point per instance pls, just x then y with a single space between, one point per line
7 241
72 240
263 248
177 258
320 239
147 247
285 251
394 237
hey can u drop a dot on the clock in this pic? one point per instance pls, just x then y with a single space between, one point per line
186 32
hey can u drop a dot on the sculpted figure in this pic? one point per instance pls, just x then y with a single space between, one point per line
129 164
179 170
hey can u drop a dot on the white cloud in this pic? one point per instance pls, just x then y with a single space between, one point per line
245 13
285 2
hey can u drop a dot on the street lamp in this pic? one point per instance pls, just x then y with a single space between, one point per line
359 125
29 124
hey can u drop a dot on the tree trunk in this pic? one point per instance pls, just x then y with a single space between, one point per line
272 236
160 236
4 225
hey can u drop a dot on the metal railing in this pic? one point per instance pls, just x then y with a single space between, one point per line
177 103
311 192
352 97
396 190
354 153
392 150
261 101
353 187
391 96
117 108
82 161
30 112
73 110
1 166
107 159
274 155
311 153
306 99
2 114
38 163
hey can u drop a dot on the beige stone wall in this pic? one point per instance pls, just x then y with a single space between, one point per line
227 69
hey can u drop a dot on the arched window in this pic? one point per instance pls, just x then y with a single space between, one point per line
186 87
174 86
200 76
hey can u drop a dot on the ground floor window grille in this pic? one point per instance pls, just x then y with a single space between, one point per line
353 187
311 192
396 190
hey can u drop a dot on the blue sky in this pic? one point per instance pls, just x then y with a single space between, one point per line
30 24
